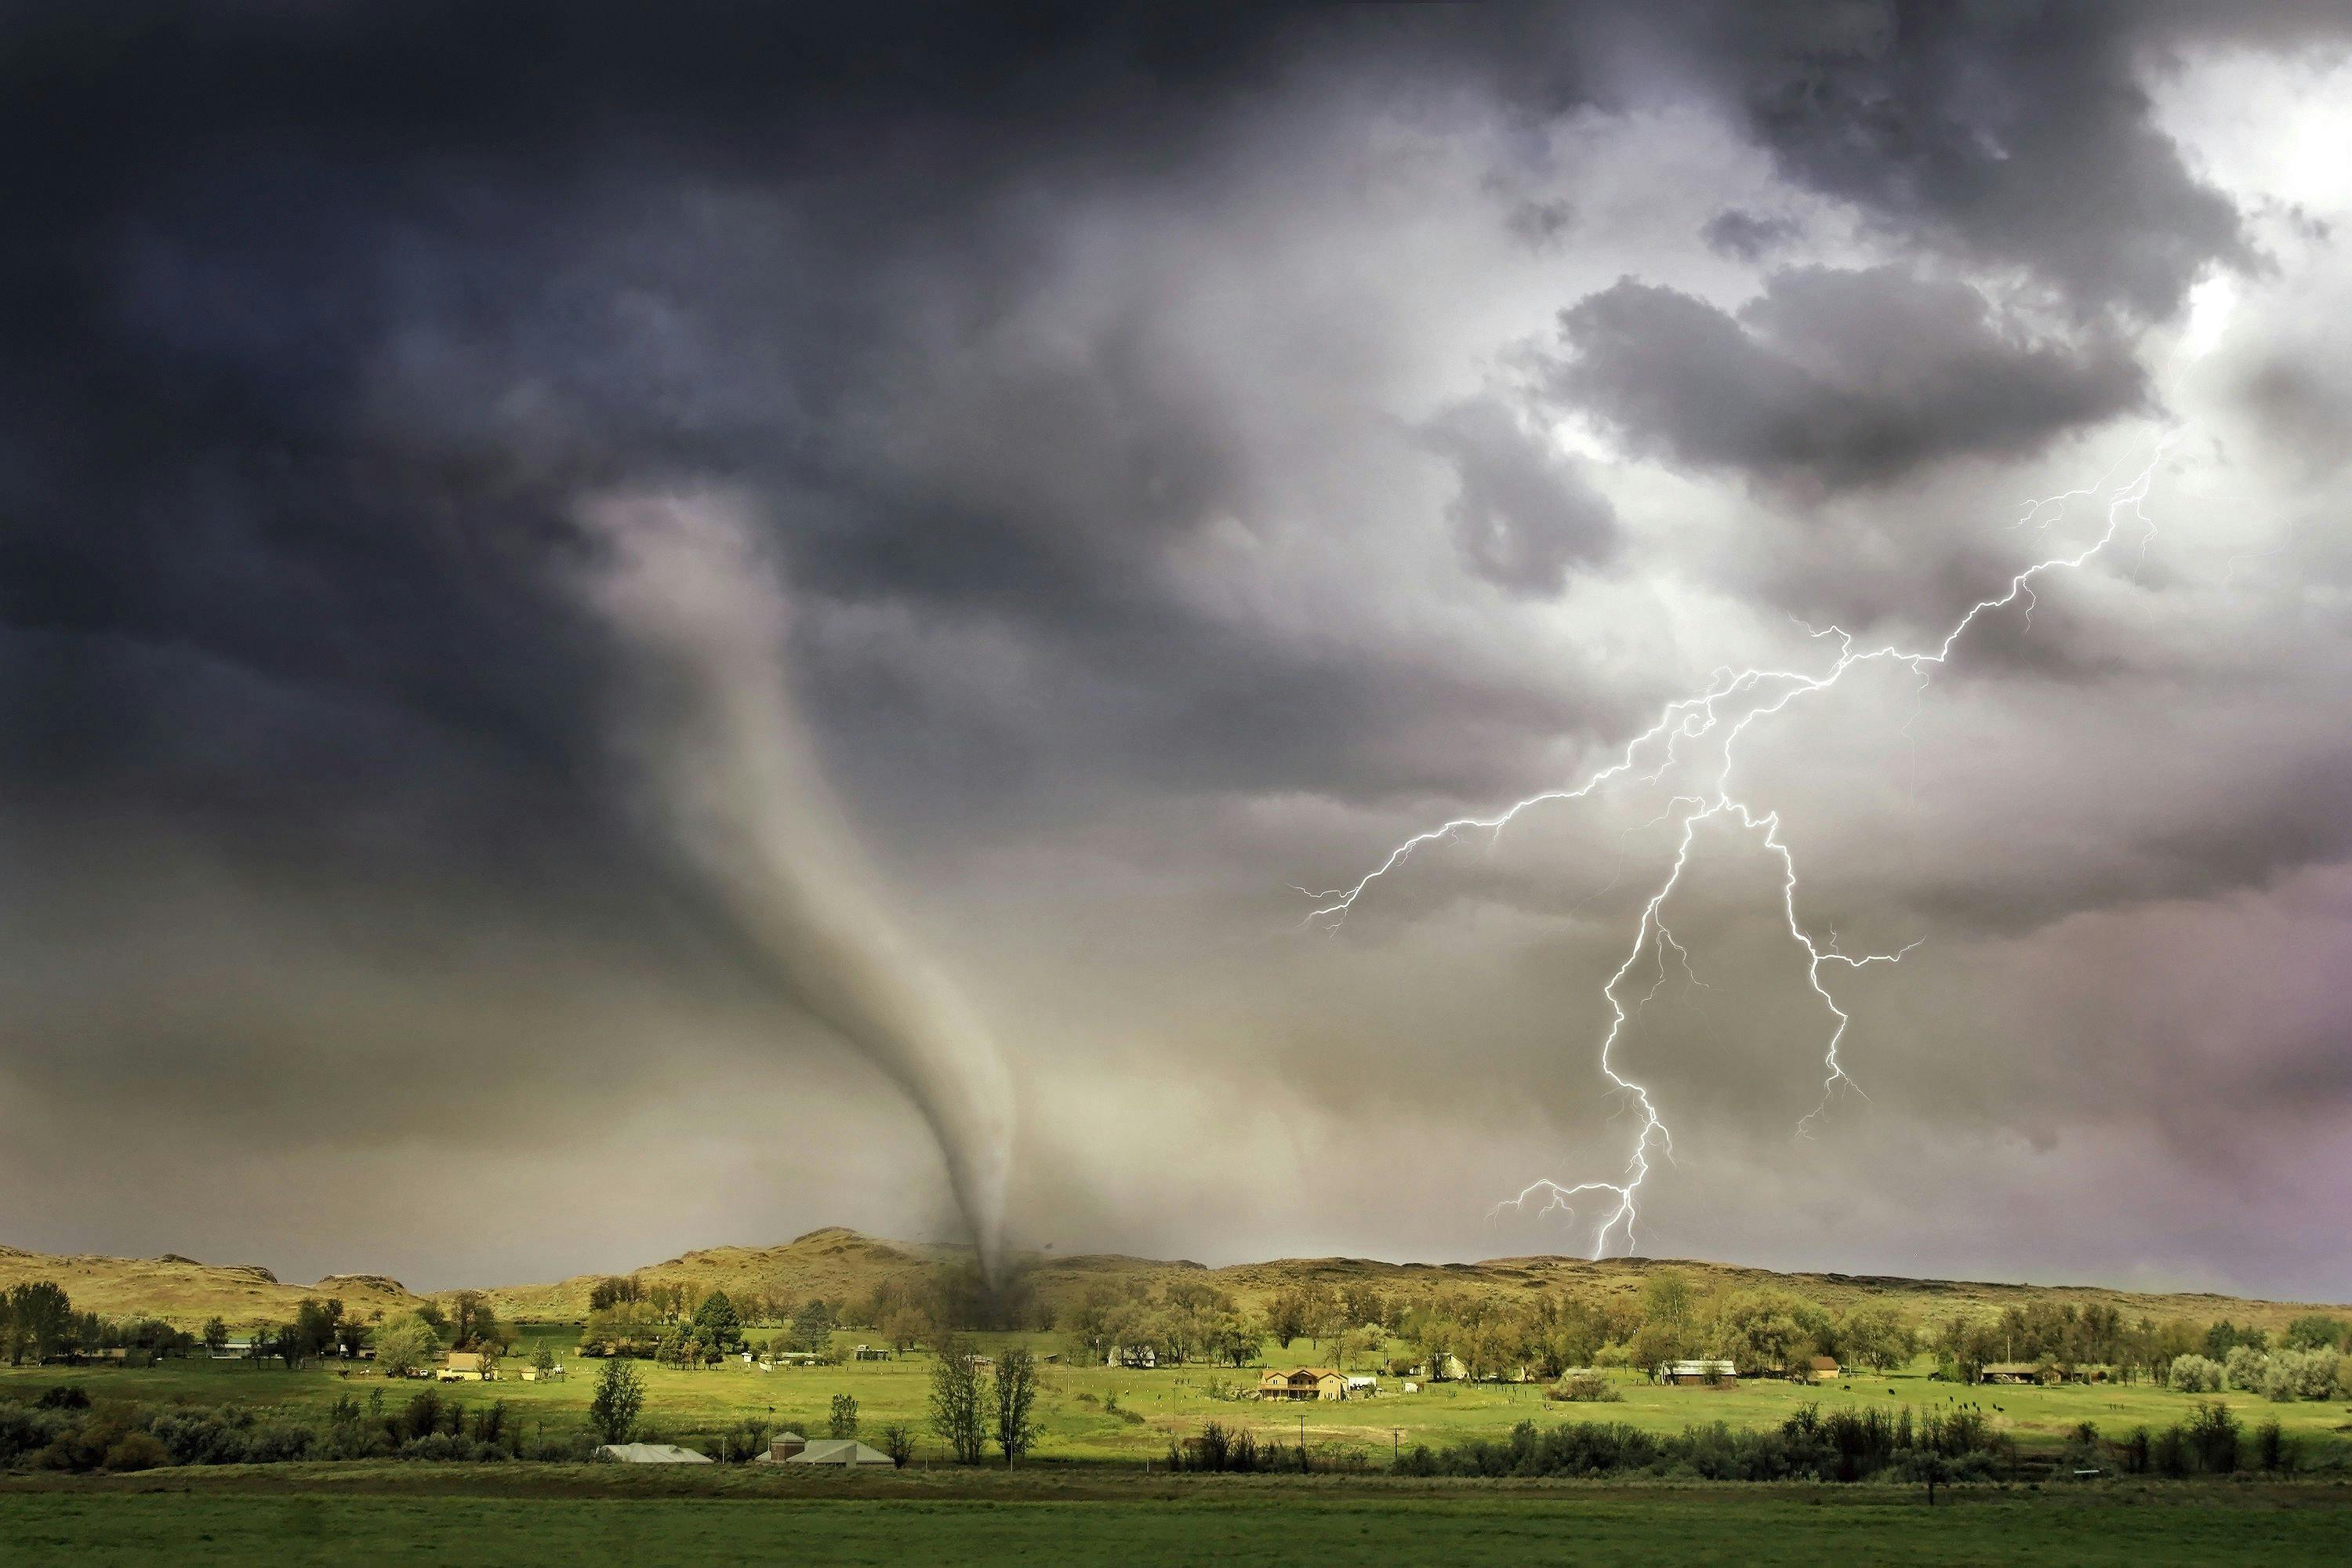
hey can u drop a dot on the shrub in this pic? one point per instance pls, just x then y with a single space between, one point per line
2246 1368
2213 1437
65 1396
136 1451
899 1442
2195 1375
2273 1451
2301 1374
1584 1388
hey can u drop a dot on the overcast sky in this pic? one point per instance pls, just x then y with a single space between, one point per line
1150 468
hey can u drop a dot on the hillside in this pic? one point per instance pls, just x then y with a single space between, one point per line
842 1265
185 1292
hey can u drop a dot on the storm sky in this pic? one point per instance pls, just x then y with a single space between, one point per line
1171 460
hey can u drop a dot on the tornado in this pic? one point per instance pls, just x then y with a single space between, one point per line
700 609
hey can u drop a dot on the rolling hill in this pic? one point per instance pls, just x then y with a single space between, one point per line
842 1264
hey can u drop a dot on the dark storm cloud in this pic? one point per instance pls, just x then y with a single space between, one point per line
1838 378
2013 133
1523 512
1139 542
1751 236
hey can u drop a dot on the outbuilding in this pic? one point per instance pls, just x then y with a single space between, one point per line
845 1452
652 1454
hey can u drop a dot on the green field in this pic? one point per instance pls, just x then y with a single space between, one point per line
1097 1414
376 1513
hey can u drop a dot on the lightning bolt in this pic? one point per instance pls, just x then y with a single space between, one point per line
1732 702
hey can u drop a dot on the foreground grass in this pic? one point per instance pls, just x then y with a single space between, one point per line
380 1513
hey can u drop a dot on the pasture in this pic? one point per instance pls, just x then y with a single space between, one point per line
1114 1415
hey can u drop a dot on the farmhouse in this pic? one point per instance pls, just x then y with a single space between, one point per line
1303 1383
871 1352
2010 1372
468 1366
1697 1373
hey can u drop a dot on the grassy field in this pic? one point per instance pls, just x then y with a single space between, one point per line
1108 1415
381 1514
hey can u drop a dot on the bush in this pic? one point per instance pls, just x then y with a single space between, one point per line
136 1451
2245 1368
1583 1387
2301 1374
2273 1451
2214 1435
2195 1375
1845 1446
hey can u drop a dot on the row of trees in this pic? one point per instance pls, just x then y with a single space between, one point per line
2284 1375
38 1322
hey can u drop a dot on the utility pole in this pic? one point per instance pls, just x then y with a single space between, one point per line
1396 1446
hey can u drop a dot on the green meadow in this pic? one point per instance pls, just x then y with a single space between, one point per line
1122 1416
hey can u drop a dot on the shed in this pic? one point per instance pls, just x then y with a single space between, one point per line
652 1454
2010 1372
846 1452
1820 1368
782 1446
1697 1373
468 1366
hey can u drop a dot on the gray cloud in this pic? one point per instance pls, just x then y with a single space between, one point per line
1523 513
1833 378
1749 236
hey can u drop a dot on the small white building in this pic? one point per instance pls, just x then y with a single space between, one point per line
652 1454
845 1452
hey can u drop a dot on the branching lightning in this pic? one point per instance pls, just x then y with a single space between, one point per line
1732 702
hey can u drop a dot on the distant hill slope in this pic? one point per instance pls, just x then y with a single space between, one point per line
184 1292
842 1264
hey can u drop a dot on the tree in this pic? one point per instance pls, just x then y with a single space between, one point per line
215 1336
1016 1400
899 1442
615 1290
717 1322
1764 1330
842 1423
542 1359
406 1344
1286 1313
1874 1336
612 1414
39 1320
2314 1331
312 1332
1669 1299
472 1324
812 1327
955 1402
